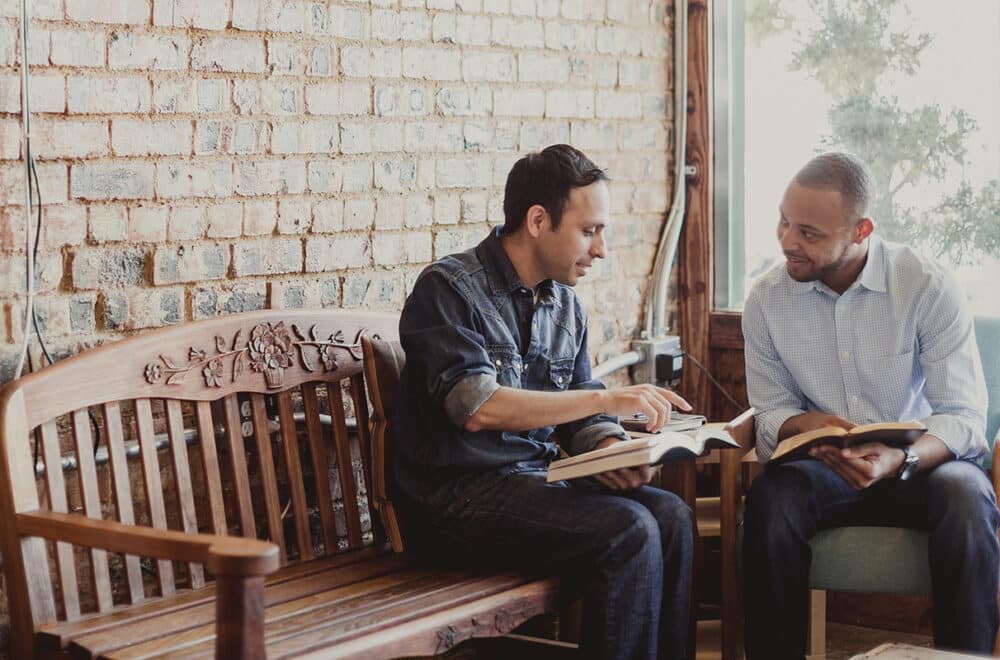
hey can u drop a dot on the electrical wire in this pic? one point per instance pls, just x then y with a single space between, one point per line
739 406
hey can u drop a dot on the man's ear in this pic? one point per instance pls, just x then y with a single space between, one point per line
863 228
536 220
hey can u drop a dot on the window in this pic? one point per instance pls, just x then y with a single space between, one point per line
911 86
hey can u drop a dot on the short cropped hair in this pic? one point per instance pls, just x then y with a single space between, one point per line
546 178
845 173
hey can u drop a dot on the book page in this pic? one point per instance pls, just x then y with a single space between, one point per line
790 444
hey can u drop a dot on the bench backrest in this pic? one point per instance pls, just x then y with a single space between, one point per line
253 424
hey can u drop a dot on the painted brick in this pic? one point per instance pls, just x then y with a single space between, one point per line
355 138
10 139
48 272
108 95
415 26
212 95
98 268
316 19
245 14
389 213
187 223
260 217
518 33
594 135
464 172
281 97
329 253
82 313
53 180
228 54
283 16
618 41
147 224
395 176
386 25
317 137
325 176
133 12
328 216
208 137
78 48
387 137
205 14
419 211
232 298
454 240
349 22
68 138
359 214
405 101
48 92
51 10
592 10
376 291
189 263
576 37
472 30
474 207
496 67
247 137
433 63
621 105
276 255
444 28
224 220
204 179
270 177
320 60
357 176
173 96
130 137
464 101
112 180
107 223
519 102
338 99
536 67
398 248
141 51
447 209
522 7
294 216
569 103
496 6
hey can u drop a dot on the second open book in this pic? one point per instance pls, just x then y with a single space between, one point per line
643 449
893 434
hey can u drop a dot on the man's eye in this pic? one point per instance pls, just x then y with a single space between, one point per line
589 232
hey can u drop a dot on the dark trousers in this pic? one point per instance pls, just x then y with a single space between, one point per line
789 504
630 553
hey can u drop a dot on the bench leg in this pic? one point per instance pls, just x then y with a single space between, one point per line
239 616
816 641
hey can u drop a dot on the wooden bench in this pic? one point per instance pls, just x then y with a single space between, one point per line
228 508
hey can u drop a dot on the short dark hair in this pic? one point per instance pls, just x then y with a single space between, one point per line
546 178
845 173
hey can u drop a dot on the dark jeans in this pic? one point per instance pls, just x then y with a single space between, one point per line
630 553
789 504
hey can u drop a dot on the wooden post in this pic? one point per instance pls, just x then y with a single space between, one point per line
239 615
816 640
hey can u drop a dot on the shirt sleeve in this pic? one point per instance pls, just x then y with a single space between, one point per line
954 384
438 331
583 434
770 386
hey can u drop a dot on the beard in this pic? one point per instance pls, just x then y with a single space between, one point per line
820 272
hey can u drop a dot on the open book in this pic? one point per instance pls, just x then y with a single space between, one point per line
893 434
642 449
678 422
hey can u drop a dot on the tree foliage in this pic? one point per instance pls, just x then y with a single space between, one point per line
855 49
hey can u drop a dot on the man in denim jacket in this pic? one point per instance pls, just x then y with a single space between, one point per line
497 374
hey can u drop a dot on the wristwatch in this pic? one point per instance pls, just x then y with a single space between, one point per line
909 466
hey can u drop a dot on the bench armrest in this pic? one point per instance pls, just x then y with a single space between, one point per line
224 555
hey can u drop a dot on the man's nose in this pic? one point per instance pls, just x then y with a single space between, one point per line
598 247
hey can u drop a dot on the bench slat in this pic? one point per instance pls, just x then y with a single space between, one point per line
182 481
345 465
55 486
268 479
364 429
122 491
58 635
321 466
154 488
210 464
196 622
293 465
238 458
87 470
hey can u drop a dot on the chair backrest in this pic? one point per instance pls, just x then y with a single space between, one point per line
242 425
988 339
384 362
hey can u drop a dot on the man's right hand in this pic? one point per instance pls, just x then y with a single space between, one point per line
810 421
655 402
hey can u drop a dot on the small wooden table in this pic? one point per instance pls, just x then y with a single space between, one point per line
910 652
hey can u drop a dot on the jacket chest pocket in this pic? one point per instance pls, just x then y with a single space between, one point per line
507 363
560 374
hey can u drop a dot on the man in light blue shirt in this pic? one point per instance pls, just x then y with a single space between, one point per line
852 330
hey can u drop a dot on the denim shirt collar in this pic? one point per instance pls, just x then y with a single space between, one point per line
500 272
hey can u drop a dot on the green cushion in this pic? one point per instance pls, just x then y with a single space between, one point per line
871 559
988 339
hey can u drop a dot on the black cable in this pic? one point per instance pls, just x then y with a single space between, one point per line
718 385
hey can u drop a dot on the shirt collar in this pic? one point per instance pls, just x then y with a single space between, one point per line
873 275
500 271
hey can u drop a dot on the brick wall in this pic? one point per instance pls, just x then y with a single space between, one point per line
203 157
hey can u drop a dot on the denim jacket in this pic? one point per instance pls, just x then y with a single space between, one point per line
469 327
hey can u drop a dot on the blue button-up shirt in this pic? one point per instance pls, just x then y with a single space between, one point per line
469 327
897 345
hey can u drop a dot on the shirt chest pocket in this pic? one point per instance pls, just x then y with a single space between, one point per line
560 374
507 362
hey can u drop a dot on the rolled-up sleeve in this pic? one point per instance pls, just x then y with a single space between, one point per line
954 383
771 388
437 331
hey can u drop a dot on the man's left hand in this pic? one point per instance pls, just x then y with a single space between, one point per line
862 465
623 478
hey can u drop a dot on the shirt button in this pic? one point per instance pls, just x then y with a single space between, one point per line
499 363
854 397
846 354
559 380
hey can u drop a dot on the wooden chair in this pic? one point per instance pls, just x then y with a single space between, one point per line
240 444
838 553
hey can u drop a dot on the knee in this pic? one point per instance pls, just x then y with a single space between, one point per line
638 532
673 516
962 497
776 495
